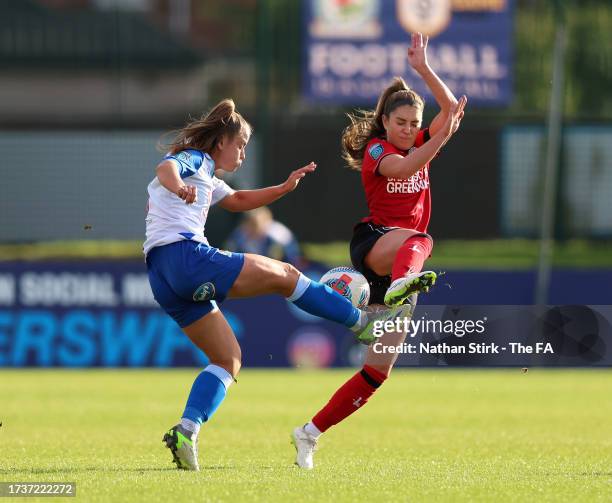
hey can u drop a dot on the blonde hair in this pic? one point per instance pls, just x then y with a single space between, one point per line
204 133
368 124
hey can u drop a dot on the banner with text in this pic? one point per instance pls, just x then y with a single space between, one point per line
102 314
354 48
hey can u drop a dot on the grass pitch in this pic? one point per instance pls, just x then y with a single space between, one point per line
428 435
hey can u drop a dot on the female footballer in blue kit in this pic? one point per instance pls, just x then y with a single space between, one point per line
188 276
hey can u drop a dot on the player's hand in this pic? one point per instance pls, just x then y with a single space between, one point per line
417 52
294 178
188 193
453 119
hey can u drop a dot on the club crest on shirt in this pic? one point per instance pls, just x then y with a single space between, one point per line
204 292
376 151
184 156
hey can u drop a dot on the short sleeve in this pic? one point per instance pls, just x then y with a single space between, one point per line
375 152
220 190
187 161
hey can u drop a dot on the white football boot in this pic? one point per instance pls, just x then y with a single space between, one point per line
305 445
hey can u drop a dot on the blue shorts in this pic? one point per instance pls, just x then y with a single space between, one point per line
187 278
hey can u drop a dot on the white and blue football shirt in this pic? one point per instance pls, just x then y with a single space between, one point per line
169 218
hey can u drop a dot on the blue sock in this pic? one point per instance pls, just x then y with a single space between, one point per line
207 393
320 300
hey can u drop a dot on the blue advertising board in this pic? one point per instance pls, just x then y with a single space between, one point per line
353 48
102 314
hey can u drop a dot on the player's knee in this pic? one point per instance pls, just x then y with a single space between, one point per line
231 363
236 364
288 279
424 235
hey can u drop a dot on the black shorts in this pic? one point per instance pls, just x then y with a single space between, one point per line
365 235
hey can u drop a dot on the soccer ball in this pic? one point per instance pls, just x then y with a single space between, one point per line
349 283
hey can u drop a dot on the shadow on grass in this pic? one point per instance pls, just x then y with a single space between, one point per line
86 469
79 470
578 474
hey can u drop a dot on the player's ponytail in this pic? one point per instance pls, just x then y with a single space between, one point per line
204 133
367 124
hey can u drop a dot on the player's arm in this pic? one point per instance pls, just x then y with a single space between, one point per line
168 176
417 57
244 200
396 166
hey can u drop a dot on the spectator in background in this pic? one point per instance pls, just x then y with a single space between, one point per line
259 233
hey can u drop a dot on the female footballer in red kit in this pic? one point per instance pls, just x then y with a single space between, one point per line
390 246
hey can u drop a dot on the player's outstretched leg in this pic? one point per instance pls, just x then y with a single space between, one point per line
262 275
320 300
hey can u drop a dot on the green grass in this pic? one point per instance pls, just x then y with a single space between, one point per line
489 254
443 435
72 249
449 254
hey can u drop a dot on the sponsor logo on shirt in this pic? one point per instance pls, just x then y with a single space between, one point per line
376 151
416 183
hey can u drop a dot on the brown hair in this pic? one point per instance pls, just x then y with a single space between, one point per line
204 133
368 124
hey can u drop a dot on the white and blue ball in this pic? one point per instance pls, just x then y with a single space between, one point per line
350 284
